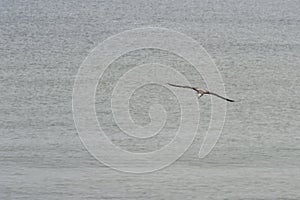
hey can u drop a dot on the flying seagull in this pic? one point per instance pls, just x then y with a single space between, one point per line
201 92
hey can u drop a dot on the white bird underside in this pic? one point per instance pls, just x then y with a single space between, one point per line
201 92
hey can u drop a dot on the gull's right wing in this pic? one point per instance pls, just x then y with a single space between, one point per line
183 86
221 97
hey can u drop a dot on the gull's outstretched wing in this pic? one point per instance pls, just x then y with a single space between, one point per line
183 86
221 97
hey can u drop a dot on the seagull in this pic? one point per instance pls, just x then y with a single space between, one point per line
201 92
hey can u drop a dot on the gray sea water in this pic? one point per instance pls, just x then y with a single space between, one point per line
256 47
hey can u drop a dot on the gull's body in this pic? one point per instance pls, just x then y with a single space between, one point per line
201 92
